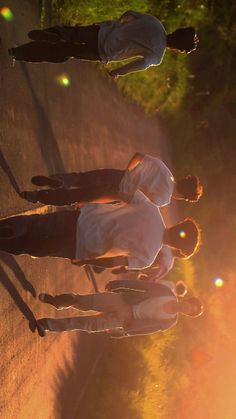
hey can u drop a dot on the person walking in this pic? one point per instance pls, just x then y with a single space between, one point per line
134 35
100 234
146 308
144 172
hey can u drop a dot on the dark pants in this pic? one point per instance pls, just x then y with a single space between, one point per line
40 235
88 187
79 42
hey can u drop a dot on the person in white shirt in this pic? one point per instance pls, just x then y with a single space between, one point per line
159 269
100 234
144 172
121 313
135 35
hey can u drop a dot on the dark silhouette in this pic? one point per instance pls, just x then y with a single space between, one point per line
16 269
22 306
6 168
44 133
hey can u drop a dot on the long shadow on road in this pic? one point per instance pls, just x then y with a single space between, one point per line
10 261
12 291
71 380
6 168
44 133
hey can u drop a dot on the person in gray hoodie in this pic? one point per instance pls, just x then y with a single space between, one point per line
134 307
134 35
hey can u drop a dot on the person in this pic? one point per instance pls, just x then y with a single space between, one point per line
146 308
134 35
144 172
162 264
101 234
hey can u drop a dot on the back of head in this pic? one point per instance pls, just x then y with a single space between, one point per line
183 39
190 188
195 307
185 236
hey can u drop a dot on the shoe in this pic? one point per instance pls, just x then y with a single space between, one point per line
98 269
46 181
42 327
49 299
46 298
30 196
43 35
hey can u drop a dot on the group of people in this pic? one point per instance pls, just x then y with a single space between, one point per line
114 220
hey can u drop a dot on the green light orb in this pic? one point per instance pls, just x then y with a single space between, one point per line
7 14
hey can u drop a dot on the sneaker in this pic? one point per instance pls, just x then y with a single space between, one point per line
31 196
43 35
49 299
46 298
42 327
46 181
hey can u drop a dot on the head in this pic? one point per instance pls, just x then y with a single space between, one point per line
188 188
191 306
183 39
184 236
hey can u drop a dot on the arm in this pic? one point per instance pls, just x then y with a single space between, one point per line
133 284
103 262
137 65
129 16
134 161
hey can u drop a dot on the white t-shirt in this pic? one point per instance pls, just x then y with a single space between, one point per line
165 265
152 308
152 177
134 230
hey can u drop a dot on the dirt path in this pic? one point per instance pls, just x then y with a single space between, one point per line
45 128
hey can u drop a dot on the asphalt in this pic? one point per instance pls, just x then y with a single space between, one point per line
47 127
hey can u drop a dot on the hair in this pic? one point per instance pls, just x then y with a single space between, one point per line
183 39
185 236
190 188
196 304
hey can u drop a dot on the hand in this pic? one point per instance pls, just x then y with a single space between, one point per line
113 74
77 262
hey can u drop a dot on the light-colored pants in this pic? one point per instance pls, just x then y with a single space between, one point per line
113 312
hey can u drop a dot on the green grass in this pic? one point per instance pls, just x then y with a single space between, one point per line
196 97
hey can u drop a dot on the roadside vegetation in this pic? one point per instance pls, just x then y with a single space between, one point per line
175 374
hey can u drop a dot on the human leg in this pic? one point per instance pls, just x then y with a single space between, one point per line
108 178
92 186
42 235
103 302
84 34
41 51
96 323
67 300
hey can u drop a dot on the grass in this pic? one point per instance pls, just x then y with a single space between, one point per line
175 374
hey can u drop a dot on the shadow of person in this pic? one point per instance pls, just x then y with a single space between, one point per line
6 168
44 133
22 306
72 377
10 261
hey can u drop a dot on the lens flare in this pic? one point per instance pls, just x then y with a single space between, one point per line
219 282
63 80
182 234
6 13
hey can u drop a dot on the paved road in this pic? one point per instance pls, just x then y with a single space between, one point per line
45 128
